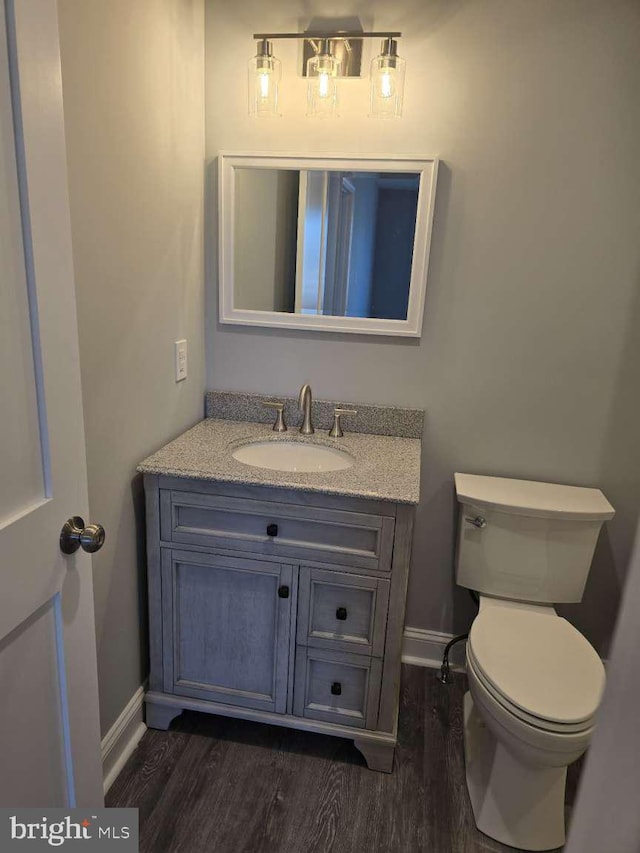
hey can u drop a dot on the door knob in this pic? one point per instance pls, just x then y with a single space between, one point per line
75 535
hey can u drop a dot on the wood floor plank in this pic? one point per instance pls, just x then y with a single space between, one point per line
205 799
147 772
221 785
311 804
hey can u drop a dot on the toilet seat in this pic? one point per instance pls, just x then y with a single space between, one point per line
530 720
538 667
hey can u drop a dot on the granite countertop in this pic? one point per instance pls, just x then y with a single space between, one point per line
386 467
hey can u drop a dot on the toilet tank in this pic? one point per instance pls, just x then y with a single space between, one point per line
530 541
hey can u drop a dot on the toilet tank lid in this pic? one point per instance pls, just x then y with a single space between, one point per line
525 497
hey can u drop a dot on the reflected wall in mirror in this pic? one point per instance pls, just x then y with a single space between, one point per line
326 243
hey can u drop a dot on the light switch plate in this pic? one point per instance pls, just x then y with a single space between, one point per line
181 360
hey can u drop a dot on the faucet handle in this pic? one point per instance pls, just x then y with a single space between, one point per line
279 424
336 429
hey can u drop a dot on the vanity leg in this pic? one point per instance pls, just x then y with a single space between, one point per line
160 716
379 756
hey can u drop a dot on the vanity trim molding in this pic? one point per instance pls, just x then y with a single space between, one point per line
162 708
427 168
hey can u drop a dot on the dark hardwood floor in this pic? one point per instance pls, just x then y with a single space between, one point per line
230 786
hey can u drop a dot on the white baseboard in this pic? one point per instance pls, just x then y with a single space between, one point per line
425 648
122 738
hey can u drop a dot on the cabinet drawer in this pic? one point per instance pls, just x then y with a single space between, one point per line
342 611
280 529
337 687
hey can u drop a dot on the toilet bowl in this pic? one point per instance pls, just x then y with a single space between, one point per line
535 684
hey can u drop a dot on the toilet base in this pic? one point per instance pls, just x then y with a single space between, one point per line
514 803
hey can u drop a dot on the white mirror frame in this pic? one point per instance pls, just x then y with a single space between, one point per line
412 326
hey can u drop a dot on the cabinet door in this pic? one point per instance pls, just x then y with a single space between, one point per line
227 624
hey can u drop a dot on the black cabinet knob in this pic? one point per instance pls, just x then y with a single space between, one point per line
341 613
272 529
336 688
283 591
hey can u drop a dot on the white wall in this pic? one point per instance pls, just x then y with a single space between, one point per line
528 365
133 93
265 205
606 817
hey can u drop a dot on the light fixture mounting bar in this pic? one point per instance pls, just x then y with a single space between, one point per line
329 34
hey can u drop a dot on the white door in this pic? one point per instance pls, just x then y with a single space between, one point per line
49 731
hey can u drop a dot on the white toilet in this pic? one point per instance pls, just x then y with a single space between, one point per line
535 682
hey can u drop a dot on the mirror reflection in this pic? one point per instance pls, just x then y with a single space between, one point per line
316 242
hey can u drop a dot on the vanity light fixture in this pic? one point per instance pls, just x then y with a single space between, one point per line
323 70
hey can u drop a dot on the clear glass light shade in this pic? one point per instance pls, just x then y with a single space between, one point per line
387 82
322 85
265 72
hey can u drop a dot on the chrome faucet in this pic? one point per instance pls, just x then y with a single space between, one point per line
304 404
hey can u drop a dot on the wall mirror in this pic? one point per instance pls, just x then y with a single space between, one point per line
328 243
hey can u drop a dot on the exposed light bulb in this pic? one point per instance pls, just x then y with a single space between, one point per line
264 80
264 84
387 81
386 88
323 85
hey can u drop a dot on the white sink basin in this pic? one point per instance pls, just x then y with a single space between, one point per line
293 456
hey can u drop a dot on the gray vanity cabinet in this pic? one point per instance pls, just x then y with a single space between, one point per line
276 605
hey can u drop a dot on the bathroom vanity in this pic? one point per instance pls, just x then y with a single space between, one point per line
279 596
